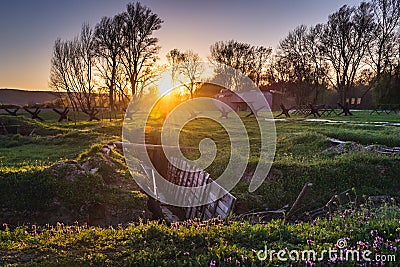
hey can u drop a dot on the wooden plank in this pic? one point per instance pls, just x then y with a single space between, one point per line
200 180
223 207
190 182
188 176
183 178
210 208
220 213
208 214
228 200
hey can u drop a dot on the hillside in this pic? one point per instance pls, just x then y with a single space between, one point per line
25 97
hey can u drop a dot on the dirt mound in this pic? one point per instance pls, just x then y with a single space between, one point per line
344 147
96 191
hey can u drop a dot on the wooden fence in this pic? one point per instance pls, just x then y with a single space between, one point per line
62 113
387 108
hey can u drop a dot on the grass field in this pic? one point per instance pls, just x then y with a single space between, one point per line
303 154
214 243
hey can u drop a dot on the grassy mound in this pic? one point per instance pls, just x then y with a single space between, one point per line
97 190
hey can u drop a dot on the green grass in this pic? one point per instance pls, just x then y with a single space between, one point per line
300 159
366 135
358 116
25 184
366 116
29 190
51 141
223 243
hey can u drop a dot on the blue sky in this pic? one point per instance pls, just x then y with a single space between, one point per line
28 29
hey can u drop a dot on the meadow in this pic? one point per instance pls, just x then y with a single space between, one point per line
304 154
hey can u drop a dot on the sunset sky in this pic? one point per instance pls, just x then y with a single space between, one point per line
29 28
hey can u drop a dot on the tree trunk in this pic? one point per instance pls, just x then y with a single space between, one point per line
342 98
133 86
111 97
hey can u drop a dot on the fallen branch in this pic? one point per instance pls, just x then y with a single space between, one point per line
299 199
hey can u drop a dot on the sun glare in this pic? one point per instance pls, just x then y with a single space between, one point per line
165 84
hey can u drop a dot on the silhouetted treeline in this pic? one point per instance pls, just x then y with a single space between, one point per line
356 46
116 57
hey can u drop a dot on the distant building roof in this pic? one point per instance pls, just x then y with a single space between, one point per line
229 97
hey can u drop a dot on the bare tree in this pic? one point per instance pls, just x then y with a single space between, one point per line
174 57
107 36
186 69
59 70
300 58
72 71
234 54
345 40
122 89
383 47
260 59
139 47
249 60
383 51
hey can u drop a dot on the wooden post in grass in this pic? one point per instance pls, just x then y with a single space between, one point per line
285 111
35 113
314 110
63 114
224 113
298 201
11 112
345 109
253 111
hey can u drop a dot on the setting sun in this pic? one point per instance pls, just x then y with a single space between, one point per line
199 133
165 83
